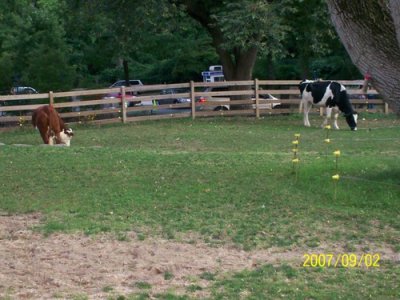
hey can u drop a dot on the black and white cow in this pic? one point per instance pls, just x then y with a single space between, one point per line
330 94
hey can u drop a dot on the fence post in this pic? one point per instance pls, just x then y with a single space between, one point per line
386 108
123 104
192 99
257 98
51 98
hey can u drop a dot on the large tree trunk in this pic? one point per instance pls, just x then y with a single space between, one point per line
238 66
239 63
394 6
370 31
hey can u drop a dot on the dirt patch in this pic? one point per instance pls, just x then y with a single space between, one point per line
64 265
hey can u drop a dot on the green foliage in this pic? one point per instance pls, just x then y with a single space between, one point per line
189 54
286 282
310 48
34 49
59 45
259 22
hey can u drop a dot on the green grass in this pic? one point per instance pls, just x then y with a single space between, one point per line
286 282
229 180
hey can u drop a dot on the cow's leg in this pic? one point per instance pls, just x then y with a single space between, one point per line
328 114
336 115
44 133
51 138
307 108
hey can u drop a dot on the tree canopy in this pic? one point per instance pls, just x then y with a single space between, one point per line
65 44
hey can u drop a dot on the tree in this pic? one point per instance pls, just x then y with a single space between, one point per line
90 33
48 54
370 32
239 30
14 39
312 41
178 54
310 46
33 49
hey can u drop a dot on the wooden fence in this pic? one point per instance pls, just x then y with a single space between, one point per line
195 99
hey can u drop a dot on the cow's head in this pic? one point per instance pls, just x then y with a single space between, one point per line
351 119
66 136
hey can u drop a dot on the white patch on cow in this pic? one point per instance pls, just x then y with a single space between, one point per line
306 102
342 88
308 81
328 94
307 96
355 120
328 115
66 138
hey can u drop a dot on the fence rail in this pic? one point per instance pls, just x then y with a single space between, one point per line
182 100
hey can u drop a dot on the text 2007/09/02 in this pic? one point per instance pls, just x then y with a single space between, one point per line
344 260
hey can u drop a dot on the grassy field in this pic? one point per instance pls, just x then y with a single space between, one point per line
229 181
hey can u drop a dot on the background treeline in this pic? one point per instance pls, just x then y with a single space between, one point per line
66 44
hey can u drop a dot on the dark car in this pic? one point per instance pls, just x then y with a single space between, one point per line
19 90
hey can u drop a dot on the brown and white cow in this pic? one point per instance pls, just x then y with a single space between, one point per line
51 126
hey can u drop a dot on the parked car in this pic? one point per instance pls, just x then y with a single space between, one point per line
19 90
174 100
123 83
22 90
265 105
217 107
128 95
223 106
